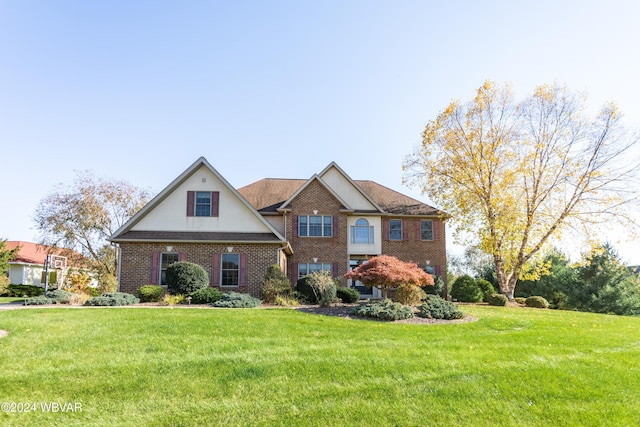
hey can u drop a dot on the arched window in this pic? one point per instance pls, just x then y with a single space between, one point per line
362 232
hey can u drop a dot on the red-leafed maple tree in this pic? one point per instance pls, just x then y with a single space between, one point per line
385 272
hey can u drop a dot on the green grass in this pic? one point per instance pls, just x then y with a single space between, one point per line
7 300
182 367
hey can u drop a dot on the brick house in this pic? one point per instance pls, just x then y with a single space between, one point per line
327 222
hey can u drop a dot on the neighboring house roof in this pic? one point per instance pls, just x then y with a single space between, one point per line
269 194
33 253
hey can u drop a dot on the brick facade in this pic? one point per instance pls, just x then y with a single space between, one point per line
315 197
419 251
135 267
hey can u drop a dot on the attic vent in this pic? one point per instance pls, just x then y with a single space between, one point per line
204 179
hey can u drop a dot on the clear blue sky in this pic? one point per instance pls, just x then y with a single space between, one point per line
138 90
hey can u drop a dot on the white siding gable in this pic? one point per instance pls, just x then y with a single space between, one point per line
171 213
345 189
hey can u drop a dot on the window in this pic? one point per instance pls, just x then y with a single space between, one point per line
362 232
308 268
395 229
315 226
203 203
426 230
230 269
166 259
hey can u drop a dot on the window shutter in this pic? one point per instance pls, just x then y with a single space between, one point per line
243 270
334 227
385 230
436 230
215 269
334 269
191 201
182 256
215 203
294 273
295 225
155 268
436 270
405 229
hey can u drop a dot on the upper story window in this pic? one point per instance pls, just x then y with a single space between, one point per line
315 226
362 232
395 229
426 230
202 203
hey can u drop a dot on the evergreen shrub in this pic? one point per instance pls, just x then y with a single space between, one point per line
347 295
205 296
498 300
60 296
435 307
237 300
383 310
186 277
150 293
466 289
536 302
112 299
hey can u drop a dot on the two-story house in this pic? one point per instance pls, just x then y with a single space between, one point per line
327 222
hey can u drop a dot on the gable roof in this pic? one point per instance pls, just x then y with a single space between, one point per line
125 233
344 204
270 194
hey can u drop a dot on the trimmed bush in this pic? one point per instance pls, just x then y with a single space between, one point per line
205 296
59 296
347 295
186 277
435 307
112 299
305 289
22 290
498 300
466 289
487 289
237 300
437 288
39 300
409 294
322 286
383 310
150 293
520 300
536 302
275 284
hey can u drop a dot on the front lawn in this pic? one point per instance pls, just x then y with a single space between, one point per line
189 366
7 300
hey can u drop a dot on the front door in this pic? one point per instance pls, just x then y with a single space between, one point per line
365 292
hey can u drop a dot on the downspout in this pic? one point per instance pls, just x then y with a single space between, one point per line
118 262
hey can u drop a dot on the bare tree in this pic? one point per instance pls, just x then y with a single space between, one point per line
82 216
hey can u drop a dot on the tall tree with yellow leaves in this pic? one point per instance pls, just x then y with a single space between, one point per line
514 175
